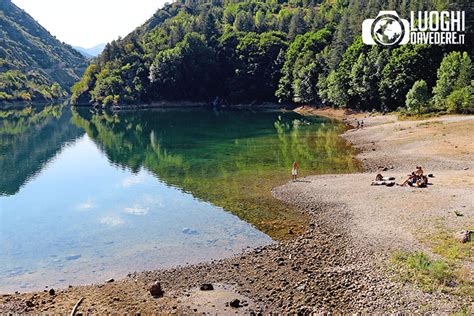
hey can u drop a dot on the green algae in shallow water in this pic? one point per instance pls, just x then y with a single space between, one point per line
231 159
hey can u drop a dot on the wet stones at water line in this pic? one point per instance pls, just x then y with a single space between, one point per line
156 290
29 303
206 287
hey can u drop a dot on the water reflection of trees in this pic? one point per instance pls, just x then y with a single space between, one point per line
229 159
29 137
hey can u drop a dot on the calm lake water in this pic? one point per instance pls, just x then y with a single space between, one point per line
88 196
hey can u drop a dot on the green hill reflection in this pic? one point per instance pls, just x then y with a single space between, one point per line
231 159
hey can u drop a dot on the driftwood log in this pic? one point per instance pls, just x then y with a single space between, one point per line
74 310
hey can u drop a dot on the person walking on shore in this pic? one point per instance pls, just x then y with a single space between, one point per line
294 170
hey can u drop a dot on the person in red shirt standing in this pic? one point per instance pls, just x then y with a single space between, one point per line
294 171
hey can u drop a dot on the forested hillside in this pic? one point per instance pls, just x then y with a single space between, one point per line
302 51
34 65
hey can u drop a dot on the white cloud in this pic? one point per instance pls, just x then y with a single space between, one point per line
111 221
132 180
137 210
154 201
86 205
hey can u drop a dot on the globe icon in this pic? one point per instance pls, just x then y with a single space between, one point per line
387 30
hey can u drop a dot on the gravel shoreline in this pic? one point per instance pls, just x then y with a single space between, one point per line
337 266
321 271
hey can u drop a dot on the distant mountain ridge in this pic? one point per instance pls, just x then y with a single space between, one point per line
32 61
92 51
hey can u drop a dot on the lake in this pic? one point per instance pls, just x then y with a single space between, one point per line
86 196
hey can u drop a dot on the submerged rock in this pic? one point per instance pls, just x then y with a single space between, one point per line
190 231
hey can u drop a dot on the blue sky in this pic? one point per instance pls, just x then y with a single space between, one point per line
87 23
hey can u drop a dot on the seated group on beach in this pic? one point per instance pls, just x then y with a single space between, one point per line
415 179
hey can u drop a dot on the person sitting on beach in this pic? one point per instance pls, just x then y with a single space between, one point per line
381 180
422 182
412 178
419 171
416 178
294 170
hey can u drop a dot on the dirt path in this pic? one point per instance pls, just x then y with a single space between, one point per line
337 265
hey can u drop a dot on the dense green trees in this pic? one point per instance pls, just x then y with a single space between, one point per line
249 65
334 90
184 71
303 63
418 97
296 51
17 86
453 90
406 64
81 91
